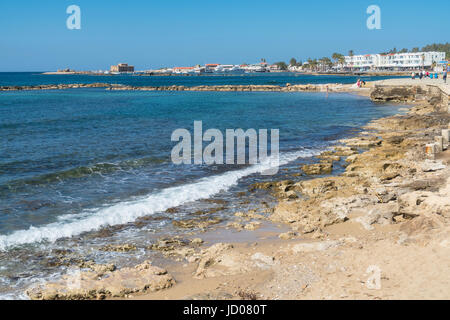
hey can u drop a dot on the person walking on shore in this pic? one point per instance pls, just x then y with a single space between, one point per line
445 76
413 75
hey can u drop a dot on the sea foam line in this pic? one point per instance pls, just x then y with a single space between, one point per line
126 212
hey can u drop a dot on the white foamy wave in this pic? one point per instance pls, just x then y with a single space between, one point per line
126 212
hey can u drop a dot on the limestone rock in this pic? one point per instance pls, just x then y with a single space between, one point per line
315 246
425 203
196 223
432 165
220 260
382 213
252 225
393 94
197 241
119 283
100 269
362 142
119 247
318 168
287 235
345 151
263 261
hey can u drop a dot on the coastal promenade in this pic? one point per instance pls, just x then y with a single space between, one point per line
433 91
439 83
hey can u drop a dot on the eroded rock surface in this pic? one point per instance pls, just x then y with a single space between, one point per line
92 285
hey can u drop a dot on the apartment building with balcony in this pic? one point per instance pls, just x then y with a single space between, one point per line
394 61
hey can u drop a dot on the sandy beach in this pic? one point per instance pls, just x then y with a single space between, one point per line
379 230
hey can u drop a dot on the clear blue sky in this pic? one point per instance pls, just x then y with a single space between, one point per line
156 33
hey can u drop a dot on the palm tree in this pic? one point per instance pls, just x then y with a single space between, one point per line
393 50
310 64
325 62
335 56
338 58
314 64
341 60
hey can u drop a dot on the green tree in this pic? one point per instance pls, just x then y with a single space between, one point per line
393 50
282 65
338 58
314 64
442 47
325 62
350 53
293 62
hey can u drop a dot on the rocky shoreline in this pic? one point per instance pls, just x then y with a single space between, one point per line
380 230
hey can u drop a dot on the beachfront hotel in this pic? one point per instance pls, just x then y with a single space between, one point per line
394 61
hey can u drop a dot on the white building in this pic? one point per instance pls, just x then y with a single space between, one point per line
393 61
443 65
295 68
257 67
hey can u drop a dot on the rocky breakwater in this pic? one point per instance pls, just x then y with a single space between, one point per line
270 88
58 86
333 87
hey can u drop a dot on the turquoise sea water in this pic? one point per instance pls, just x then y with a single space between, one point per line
79 161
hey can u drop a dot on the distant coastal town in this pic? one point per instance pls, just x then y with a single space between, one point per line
402 61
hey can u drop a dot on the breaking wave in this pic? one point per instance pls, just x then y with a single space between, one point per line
129 211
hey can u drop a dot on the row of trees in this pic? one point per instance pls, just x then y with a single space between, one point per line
325 62
339 59
443 47
284 66
313 64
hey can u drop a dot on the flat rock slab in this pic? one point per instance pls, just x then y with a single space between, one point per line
119 283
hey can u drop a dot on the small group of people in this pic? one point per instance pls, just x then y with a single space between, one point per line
425 74
360 83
